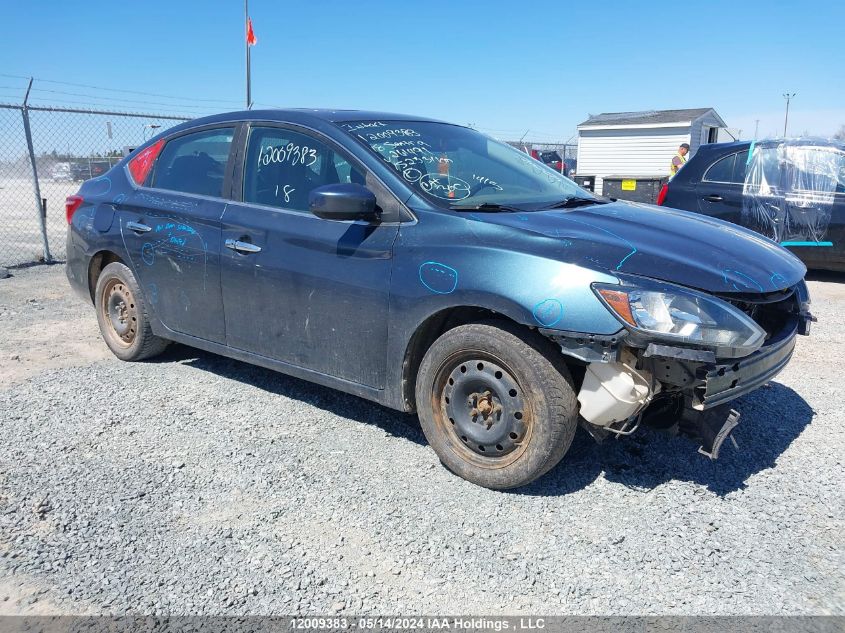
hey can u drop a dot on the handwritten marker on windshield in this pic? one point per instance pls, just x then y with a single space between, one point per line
443 165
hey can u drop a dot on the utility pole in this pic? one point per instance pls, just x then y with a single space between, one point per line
788 98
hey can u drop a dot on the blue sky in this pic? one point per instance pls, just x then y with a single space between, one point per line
503 66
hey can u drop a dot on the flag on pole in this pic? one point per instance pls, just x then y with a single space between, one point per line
251 40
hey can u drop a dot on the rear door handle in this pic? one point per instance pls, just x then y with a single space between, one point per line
242 247
713 198
138 227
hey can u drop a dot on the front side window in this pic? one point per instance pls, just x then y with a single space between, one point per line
195 163
282 167
457 166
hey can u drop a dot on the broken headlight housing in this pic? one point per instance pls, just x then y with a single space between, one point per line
681 315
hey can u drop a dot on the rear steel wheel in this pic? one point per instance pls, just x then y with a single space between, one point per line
120 312
122 315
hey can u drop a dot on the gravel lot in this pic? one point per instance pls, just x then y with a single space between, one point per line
20 232
199 485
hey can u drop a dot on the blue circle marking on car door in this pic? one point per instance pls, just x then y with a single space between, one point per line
548 312
439 278
148 254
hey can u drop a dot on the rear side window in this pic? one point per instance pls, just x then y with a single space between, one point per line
740 167
722 170
195 163
282 167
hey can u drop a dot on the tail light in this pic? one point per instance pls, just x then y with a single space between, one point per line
141 165
72 203
661 197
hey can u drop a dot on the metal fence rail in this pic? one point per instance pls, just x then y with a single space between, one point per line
45 154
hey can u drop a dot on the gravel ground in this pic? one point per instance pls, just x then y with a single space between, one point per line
199 485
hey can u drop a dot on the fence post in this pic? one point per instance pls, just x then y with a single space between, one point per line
38 208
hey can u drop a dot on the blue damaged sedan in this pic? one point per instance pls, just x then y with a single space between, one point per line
430 268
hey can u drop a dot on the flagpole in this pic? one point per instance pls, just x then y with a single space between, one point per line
246 43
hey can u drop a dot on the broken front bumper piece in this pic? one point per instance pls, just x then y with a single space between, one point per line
683 390
710 382
711 428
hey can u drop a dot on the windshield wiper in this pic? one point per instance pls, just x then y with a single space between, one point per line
575 201
486 206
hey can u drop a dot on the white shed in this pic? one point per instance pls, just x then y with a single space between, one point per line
641 143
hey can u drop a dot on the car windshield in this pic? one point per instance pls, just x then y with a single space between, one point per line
462 168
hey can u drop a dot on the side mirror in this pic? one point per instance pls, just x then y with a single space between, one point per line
343 201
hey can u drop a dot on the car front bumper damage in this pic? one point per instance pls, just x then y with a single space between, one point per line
692 388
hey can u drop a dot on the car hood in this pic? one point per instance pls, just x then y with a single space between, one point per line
666 244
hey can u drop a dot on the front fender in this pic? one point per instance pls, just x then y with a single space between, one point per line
528 289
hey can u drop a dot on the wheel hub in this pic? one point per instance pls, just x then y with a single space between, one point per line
120 310
484 406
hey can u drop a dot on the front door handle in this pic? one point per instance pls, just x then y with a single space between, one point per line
713 198
138 227
242 247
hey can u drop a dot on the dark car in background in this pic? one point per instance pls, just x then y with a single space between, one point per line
430 268
793 192
550 158
87 169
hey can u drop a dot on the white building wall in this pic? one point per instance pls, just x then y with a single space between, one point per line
698 131
628 152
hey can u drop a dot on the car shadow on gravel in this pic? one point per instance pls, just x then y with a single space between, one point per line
344 405
772 417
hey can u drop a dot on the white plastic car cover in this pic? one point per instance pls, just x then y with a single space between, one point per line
789 188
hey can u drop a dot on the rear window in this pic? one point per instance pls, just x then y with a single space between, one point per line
195 163
722 170
729 169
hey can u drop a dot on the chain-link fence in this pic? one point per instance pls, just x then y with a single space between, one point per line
45 154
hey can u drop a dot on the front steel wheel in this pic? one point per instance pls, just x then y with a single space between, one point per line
496 403
482 408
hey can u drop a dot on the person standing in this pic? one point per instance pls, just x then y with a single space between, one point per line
679 159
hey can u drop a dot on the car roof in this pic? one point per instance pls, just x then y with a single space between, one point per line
727 148
307 116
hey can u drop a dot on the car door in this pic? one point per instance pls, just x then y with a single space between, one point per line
171 231
297 288
719 193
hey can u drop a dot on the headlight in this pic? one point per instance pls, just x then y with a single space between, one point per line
678 314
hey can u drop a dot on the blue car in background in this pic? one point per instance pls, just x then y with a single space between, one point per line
430 268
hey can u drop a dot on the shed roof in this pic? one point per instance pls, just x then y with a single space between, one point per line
647 117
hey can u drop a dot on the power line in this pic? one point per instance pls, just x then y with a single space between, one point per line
172 110
138 92
79 94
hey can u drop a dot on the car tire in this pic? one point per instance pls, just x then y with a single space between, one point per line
122 315
496 403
